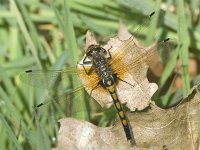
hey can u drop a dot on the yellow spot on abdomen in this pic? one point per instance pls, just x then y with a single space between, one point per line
121 113
114 96
109 82
124 122
111 89
118 105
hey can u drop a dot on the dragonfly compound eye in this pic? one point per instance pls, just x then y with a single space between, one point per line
91 49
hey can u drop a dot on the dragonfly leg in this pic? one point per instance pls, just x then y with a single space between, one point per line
125 82
115 77
110 56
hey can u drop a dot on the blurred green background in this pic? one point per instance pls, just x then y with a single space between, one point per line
47 34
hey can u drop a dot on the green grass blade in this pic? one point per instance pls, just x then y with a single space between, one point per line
69 36
153 24
71 41
144 6
11 135
184 49
169 67
25 31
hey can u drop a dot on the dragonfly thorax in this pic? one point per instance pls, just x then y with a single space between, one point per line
101 66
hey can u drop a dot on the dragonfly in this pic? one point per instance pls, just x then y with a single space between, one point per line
101 71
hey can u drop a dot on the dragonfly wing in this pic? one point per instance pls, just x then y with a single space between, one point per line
133 58
47 79
61 79
129 57
60 105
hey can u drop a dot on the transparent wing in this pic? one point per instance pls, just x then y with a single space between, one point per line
59 105
47 79
141 32
57 79
134 58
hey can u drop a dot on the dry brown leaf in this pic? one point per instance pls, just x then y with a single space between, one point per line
174 128
137 97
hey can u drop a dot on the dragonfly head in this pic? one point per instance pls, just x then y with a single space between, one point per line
95 50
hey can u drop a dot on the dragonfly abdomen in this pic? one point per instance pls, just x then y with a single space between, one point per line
110 86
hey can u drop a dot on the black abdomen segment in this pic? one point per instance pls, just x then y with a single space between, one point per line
110 86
